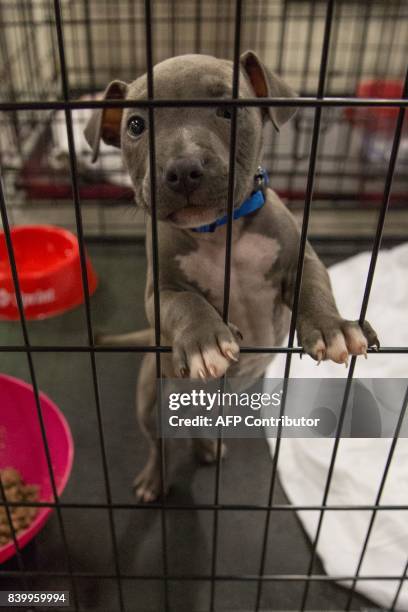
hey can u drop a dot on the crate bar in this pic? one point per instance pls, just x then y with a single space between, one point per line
386 201
300 102
226 507
90 70
85 287
329 478
227 271
299 274
376 248
331 74
206 19
378 499
357 78
33 377
283 21
367 290
401 583
305 72
156 290
208 578
54 51
390 350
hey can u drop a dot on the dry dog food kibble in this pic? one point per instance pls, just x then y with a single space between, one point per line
16 490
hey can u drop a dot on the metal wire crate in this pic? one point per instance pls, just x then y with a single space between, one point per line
52 53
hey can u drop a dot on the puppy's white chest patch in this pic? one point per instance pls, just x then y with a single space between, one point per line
252 294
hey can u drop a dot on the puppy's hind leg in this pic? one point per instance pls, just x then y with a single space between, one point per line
206 450
147 484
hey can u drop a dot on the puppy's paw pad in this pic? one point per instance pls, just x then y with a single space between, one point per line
326 346
207 354
209 363
359 337
337 349
337 340
356 341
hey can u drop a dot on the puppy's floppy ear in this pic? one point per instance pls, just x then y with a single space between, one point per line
266 84
105 122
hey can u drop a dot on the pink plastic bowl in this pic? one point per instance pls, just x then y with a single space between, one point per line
21 447
49 272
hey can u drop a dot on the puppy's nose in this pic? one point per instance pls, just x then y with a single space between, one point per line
184 175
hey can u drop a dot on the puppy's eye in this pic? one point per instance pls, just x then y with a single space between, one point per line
224 111
136 125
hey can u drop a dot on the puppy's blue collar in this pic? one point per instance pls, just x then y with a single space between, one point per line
255 201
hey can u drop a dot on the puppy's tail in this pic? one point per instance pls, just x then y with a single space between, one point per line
143 337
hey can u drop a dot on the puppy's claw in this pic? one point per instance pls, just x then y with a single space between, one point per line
343 358
231 356
183 372
201 374
212 371
320 356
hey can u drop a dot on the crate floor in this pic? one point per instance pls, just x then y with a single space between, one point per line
66 378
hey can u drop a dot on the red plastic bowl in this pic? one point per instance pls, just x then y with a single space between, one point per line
380 117
21 447
49 272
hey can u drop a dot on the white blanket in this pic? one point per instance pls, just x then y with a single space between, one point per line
303 463
108 167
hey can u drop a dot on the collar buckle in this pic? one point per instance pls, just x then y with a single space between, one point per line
261 178
255 201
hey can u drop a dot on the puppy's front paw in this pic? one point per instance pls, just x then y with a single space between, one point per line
337 339
206 352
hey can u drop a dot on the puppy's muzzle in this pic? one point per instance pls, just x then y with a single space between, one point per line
184 175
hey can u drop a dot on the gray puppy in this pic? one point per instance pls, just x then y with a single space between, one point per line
192 147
